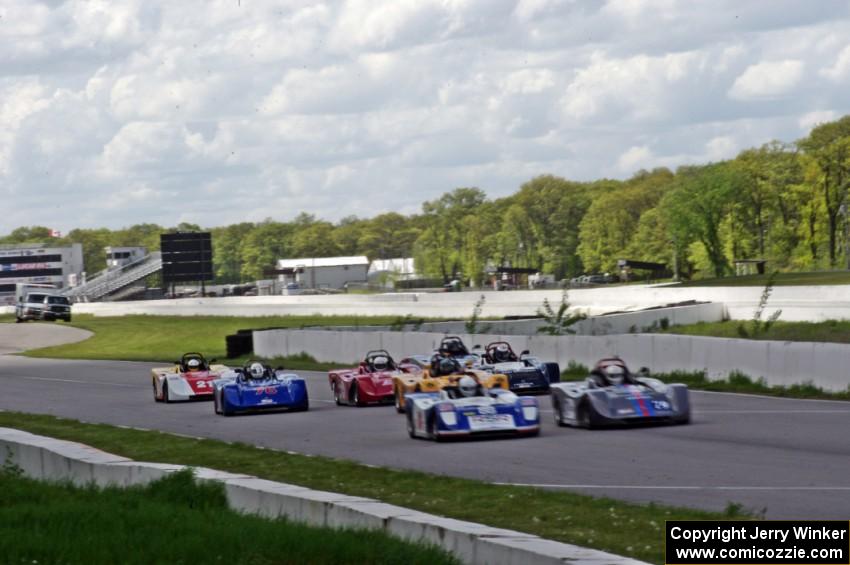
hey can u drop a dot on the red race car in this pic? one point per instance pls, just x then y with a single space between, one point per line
371 382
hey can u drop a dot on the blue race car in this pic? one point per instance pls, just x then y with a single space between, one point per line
526 374
468 409
259 388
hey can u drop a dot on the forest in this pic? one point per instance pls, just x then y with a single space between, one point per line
784 202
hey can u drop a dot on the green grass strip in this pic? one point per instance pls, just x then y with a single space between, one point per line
828 331
602 523
174 520
828 278
166 338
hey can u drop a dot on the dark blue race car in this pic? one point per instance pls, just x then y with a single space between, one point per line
259 388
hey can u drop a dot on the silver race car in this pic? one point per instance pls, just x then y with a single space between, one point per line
612 395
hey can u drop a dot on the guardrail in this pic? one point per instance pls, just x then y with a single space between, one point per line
50 459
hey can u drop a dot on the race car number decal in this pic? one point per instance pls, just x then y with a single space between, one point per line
661 405
267 390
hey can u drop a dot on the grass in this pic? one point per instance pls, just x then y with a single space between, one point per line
174 520
829 331
623 528
736 382
166 338
782 279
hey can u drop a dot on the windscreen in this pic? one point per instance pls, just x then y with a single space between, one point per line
57 300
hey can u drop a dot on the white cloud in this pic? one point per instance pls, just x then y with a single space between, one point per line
811 119
634 158
255 109
840 69
770 79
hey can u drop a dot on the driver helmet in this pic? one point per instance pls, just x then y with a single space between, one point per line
380 363
502 352
194 365
447 366
256 370
467 386
615 374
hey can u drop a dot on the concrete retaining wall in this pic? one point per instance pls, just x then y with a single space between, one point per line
56 460
777 362
811 303
627 322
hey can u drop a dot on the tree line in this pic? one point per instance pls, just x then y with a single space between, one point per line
785 202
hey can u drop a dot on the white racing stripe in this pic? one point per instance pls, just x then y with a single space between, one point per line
679 487
77 382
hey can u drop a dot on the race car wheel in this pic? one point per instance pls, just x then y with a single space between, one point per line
156 398
559 415
410 431
216 403
399 407
165 397
337 395
583 416
355 395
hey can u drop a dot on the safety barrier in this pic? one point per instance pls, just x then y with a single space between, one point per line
777 362
50 459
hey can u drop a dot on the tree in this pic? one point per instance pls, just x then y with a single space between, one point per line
387 236
829 146
696 205
612 219
263 246
227 251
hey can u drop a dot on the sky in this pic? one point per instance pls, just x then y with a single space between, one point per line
217 112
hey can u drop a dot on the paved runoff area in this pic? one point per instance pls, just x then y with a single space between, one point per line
787 456
20 337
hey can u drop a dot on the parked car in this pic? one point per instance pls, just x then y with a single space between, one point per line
41 305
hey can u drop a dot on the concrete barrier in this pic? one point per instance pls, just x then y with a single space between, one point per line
777 362
798 303
50 459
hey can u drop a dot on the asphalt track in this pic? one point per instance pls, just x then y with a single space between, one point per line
790 457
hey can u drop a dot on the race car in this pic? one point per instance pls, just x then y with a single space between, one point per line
371 382
259 388
612 395
526 374
453 346
467 408
190 378
440 371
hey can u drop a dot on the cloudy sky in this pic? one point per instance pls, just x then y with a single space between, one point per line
214 112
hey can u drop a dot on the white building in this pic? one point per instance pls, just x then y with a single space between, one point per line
120 256
324 272
386 271
38 263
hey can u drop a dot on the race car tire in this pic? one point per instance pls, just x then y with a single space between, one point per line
216 403
18 320
155 397
304 406
556 409
355 395
165 397
583 416
410 430
399 407
552 372
337 396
